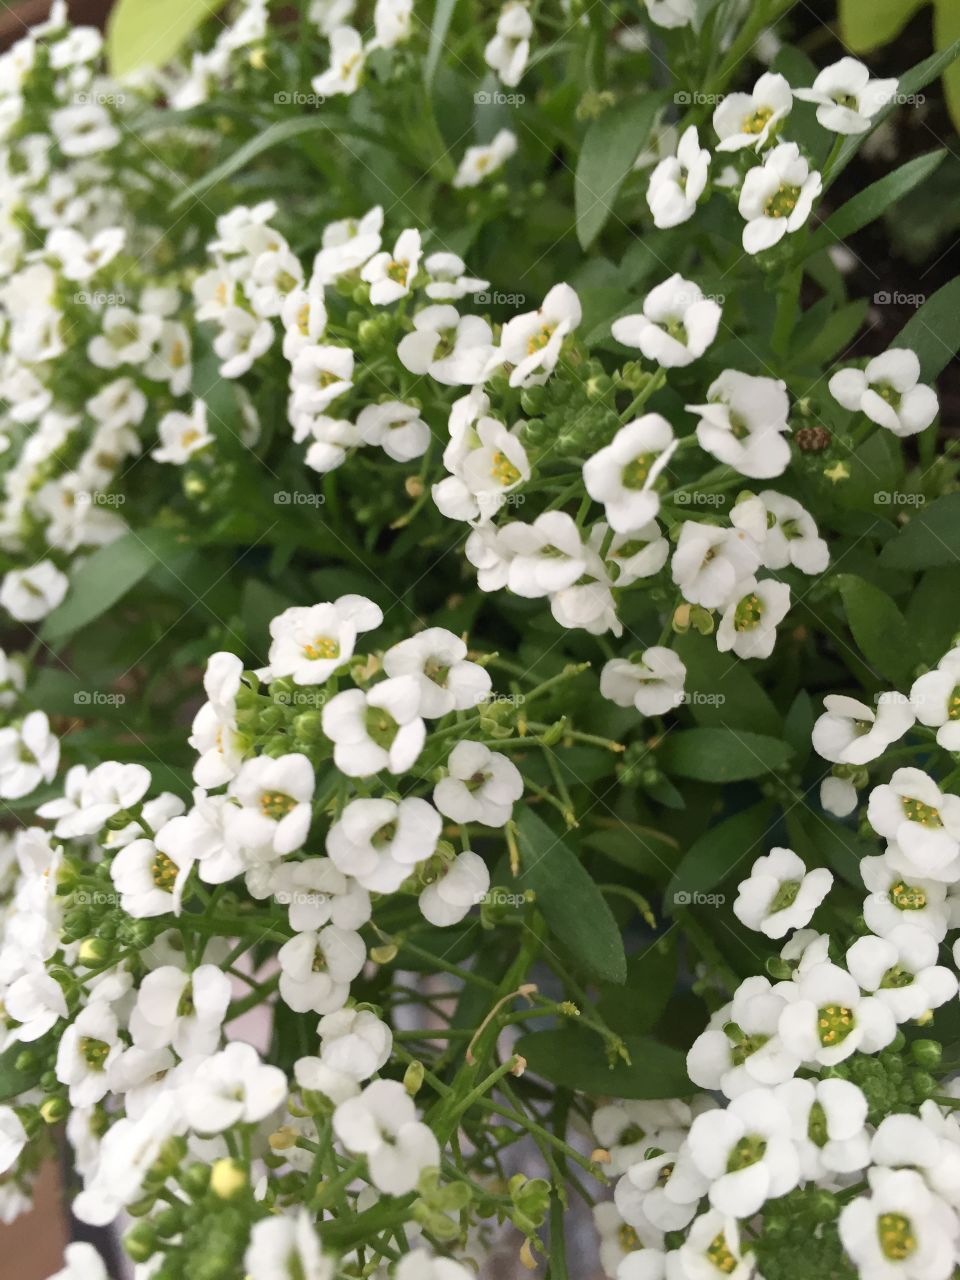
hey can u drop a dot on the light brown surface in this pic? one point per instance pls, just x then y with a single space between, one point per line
32 1247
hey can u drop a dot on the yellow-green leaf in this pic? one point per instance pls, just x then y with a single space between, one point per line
148 33
868 24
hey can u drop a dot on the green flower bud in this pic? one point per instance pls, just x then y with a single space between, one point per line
140 1242
927 1053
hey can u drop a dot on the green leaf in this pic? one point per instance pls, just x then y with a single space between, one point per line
635 1007
576 1059
107 576
639 849
723 693
946 31
12 1081
878 627
834 334
609 149
572 905
709 860
148 33
824 842
798 725
442 14
722 755
873 201
930 540
933 332
869 24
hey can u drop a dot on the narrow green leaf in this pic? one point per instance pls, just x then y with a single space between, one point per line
723 693
572 905
107 576
733 843
635 1007
933 332
879 629
930 540
873 201
870 24
148 33
442 15
609 149
575 1058
722 755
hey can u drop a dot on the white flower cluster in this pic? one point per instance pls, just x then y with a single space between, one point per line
777 1052
772 180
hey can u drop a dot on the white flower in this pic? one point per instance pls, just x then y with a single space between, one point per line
392 20
740 1048
83 1263
829 1018
182 434
622 474
128 1149
455 350
332 438
531 342
86 1052
304 318
317 968
617 1240
200 836
275 794
488 462
509 49
390 276
275 276
850 732
309 644
419 1265
382 1125
29 594
447 279
543 557
378 729
347 245
678 182
396 427
319 376
780 893
889 392
103 792
231 1087
912 811
242 339
902 971
481 161
29 755
847 99
481 786
629 1128
672 13
150 881
37 1002
662 1191
458 886
84 130
777 197
789 535
829 1119
641 553
677 325
653 683
347 58
935 698
120 403
286 1248
355 1041
898 897
81 258
927 1143
13 1137
744 422
438 661
315 892
710 563
838 796
312 1073
901 1230
378 841
127 338
749 623
185 1010
747 1152
750 119
214 732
